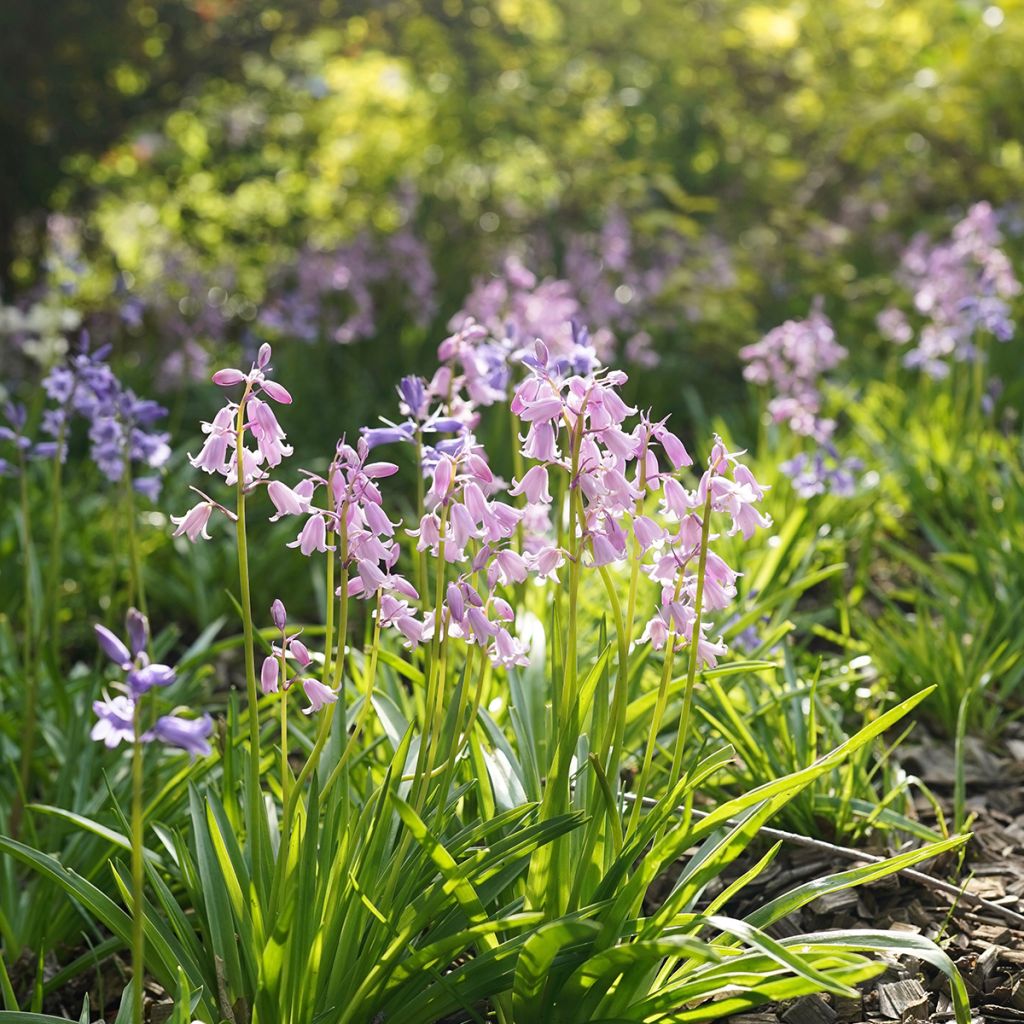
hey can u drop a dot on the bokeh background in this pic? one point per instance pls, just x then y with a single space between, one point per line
346 180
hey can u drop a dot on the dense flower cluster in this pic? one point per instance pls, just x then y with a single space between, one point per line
120 422
791 361
116 716
576 425
962 288
121 434
581 499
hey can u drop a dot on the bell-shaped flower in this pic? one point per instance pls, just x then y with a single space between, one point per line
138 631
270 675
318 695
113 647
189 734
142 679
193 523
213 457
534 485
312 537
290 501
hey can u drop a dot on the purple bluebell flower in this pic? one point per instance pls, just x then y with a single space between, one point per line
113 647
115 720
189 734
400 432
143 678
138 631
117 716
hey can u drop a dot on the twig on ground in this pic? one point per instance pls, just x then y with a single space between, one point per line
848 853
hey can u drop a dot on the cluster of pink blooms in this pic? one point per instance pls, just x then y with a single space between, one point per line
464 525
576 425
791 360
961 287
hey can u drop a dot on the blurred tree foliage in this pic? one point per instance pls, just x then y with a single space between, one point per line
229 133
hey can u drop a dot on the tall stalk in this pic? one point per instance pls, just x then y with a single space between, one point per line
29 666
53 569
612 746
252 694
566 724
338 669
138 919
138 586
435 666
283 728
691 671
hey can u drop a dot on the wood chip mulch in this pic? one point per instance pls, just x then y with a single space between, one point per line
986 946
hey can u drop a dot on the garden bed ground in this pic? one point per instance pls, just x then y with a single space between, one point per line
986 945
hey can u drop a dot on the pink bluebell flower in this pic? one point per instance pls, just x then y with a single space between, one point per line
318 695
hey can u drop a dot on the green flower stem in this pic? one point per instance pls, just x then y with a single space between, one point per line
434 669
329 583
612 750
138 587
252 693
29 667
565 711
422 579
327 719
518 469
567 699
691 673
370 678
138 914
339 660
54 567
285 770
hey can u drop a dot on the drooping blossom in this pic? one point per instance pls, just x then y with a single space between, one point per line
188 734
